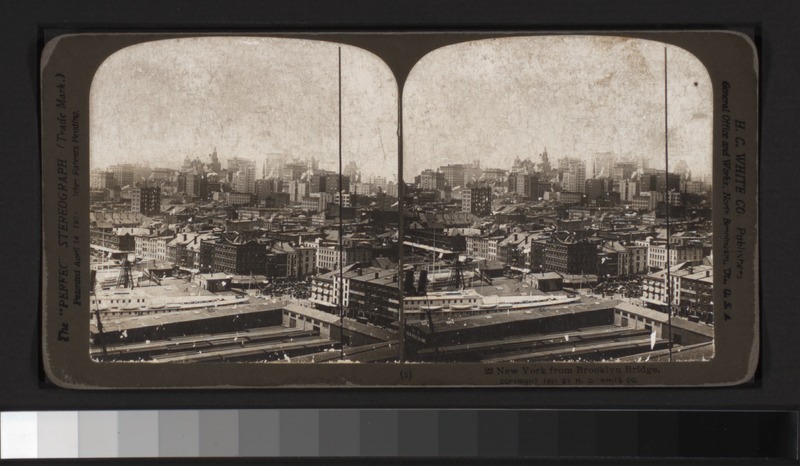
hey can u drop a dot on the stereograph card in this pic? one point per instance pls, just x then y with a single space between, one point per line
400 209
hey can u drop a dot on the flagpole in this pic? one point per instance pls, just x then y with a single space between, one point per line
341 201
667 201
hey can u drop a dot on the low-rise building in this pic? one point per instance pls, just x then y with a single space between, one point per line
546 281
632 260
178 250
483 247
657 291
238 257
116 239
276 264
300 260
374 293
657 255
239 198
697 291
322 292
564 254
331 256
153 246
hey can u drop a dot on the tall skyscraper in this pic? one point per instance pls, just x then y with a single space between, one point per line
294 170
628 190
101 180
454 175
624 170
297 190
430 179
574 179
146 201
596 187
477 200
379 182
123 174
215 166
243 175
602 165
351 170
273 165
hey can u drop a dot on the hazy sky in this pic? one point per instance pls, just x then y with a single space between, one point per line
158 102
491 100
577 96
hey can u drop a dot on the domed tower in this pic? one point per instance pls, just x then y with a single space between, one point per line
215 166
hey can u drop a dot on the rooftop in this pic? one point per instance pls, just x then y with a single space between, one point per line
679 322
504 286
119 323
313 313
587 305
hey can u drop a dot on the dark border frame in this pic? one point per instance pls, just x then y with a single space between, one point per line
772 22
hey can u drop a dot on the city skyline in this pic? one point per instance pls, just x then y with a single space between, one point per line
161 101
295 251
490 100
575 96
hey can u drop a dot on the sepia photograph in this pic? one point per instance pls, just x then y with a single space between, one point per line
235 182
559 201
244 199
400 209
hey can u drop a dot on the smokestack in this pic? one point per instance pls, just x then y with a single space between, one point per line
408 283
423 282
